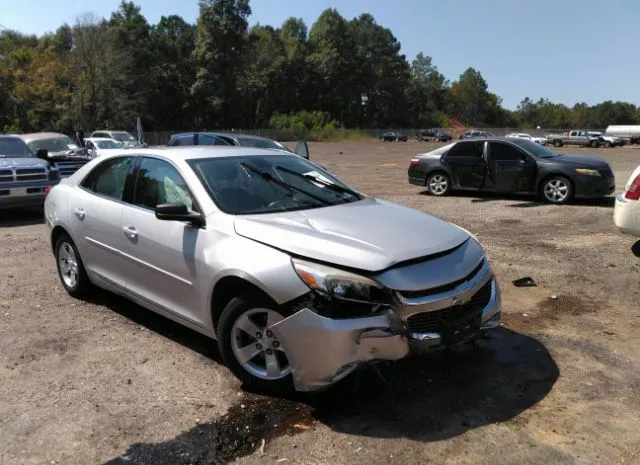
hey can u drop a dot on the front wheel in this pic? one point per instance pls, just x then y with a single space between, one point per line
557 190
607 144
438 184
250 349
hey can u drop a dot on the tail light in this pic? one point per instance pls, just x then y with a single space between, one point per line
47 190
633 193
414 162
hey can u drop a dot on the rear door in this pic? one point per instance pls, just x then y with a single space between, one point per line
510 168
466 163
96 213
165 256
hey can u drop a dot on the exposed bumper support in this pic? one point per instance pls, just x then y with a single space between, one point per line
322 350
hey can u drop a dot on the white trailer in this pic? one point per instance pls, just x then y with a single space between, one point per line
629 133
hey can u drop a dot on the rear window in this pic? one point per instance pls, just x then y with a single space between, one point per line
467 149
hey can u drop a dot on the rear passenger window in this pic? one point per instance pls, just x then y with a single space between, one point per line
184 141
466 149
108 178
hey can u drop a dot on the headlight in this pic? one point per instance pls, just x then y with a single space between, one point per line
587 172
339 284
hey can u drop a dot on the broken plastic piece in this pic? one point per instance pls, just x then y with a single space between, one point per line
527 281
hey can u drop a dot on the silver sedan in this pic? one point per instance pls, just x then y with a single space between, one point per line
298 277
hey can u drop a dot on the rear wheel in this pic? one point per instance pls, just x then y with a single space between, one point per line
70 267
557 143
607 144
594 144
250 349
438 184
557 190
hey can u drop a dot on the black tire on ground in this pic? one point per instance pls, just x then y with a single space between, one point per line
594 144
557 143
65 249
607 144
231 313
549 191
438 184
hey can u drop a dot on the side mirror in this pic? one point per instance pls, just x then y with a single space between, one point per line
178 212
43 154
302 149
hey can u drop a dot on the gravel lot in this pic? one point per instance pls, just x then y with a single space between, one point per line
107 382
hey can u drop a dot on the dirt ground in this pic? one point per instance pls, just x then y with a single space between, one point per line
107 382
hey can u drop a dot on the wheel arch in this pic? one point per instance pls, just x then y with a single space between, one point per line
57 232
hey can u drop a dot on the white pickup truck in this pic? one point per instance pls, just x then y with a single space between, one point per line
574 137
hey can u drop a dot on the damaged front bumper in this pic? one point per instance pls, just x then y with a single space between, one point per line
322 350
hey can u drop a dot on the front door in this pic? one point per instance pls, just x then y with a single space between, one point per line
466 163
96 212
510 168
165 256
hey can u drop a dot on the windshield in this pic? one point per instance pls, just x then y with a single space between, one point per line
260 143
236 185
108 144
53 145
537 150
12 147
123 136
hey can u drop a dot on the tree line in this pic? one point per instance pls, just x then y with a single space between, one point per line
219 73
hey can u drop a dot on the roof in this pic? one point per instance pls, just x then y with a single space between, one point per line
110 130
201 151
99 138
40 136
217 133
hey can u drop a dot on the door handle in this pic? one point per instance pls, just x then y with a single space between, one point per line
79 212
130 232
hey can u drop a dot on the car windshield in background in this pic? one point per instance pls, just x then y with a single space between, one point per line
261 184
109 144
536 150
11 147
260 143
123 136
53 145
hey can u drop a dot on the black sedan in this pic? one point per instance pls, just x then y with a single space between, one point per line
511 166
393 136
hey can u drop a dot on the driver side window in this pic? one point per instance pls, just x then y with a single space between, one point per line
159 182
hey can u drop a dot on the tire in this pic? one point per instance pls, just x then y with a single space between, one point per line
70 268
594 144
252 310
557 190
557 143
607 144
438 184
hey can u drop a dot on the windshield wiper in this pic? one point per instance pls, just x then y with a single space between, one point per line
327 184
286 185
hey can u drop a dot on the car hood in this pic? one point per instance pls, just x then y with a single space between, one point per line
580 160
22 163
370 234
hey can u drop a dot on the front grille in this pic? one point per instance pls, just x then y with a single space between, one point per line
439 289
68 168
31 174
454 324
6 176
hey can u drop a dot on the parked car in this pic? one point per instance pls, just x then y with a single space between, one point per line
123 136
25 178
626 213
574 137
474 134
511 166
435 134
98 146
524 135
299 277
393 136
231 138
62 151
607 140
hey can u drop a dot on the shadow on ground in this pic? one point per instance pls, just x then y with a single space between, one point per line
526 201
21 217
424 399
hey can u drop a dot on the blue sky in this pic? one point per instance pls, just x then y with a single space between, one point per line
565 50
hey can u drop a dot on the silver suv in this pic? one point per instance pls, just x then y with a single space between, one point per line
299 277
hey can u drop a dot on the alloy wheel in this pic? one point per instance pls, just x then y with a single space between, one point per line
438 184
556 190
256 347
68 264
